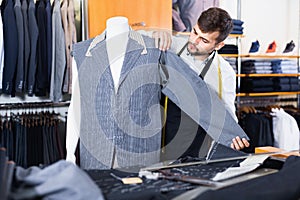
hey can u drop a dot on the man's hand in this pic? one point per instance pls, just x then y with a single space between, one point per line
163 40
239 144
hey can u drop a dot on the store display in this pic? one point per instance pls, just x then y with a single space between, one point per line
237 26
272 47
289 47
36 50
254 47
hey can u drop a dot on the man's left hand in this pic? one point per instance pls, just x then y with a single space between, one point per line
163 40
239 144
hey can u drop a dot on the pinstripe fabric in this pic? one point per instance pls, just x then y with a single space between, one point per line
203 104
127 122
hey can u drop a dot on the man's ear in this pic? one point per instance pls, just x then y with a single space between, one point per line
219 45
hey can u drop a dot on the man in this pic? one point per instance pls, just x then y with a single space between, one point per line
199 51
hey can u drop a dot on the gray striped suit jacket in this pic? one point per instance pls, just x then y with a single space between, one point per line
128 122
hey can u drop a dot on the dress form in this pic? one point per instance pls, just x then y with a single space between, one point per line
117 29
116 42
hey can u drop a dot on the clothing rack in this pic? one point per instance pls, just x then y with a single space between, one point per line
24 105
268 101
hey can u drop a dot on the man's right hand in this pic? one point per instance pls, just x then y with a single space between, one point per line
239 144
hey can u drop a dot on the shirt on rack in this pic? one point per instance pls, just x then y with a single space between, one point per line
285 129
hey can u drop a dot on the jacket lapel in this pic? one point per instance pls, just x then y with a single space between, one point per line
100 58
98 53
133 53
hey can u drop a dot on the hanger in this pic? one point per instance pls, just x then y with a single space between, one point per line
244 109
252 109
248 109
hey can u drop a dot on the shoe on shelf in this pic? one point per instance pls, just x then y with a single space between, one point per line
289 47
254 47
272 47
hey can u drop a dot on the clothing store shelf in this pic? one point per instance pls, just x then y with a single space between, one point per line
260 56
268 75
230 35
266 94
273 56
230 55
236 35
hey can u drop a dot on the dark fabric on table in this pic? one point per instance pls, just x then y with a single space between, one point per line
282 185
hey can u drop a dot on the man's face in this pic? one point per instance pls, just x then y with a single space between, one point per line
202 44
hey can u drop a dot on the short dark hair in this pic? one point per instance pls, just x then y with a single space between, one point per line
216 19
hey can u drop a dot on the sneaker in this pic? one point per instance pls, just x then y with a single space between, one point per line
254 47
289 47
271 47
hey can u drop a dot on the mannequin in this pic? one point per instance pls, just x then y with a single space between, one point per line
117 29
116 39
116 35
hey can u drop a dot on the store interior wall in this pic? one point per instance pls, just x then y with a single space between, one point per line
266 21
141 14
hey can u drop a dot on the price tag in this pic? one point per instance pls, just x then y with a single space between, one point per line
132 180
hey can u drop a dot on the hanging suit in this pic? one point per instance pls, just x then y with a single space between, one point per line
73 39
20 66
24 8
48 10
42 83
10 33
58 54
64 18
33 35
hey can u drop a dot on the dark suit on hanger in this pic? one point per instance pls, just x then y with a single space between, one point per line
42 83
20 66
24 8
33 33
49 37
10 34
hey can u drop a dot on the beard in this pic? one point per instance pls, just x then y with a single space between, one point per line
195 50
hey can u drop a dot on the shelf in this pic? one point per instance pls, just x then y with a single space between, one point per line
267 75
265 94
236 35
265 56
229 36
230 55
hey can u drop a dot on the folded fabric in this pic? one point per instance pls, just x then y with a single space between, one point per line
281 185
228 49
294 87
237 22
285 87
61 180
238 28
281 80
236 32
